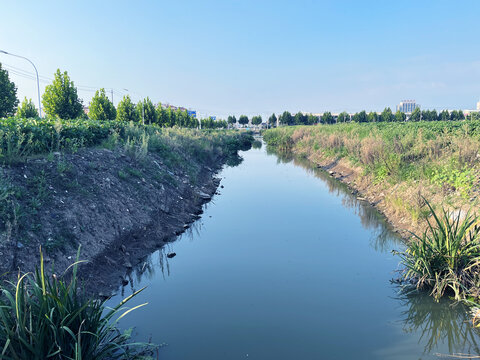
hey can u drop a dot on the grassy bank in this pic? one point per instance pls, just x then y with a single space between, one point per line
402 161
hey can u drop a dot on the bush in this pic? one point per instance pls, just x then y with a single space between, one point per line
447 256
43 317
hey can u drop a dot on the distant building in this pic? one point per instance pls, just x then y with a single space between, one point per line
407 106
478 105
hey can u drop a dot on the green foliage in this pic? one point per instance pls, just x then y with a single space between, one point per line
243 120
372 117
48 317
400 116
343 117
446 257
387 115
416 115
458 179
60 99
27 110
286 118
146 110
256 120
8 95
327 118
126 110
360 117
101 108
232 120
272 120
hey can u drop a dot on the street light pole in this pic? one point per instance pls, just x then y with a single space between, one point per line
38 80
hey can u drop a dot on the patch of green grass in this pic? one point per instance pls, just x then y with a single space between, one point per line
446 258
45 317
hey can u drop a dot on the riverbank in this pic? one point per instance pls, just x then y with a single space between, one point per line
395 166
118 200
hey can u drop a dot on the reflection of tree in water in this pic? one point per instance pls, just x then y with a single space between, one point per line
370 218
442 322
257 144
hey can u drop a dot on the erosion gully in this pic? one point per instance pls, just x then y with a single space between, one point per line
286 263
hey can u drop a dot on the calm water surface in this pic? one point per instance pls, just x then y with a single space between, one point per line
287 264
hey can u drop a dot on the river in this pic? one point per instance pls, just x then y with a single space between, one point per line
286 264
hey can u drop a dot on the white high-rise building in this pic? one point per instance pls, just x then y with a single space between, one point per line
478 105
407 106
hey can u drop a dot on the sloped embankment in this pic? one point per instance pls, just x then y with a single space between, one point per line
117 204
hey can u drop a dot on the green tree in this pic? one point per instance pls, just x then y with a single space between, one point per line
243 120
126 110
400 116
272 121
256 120
146 111
27 110
444 115
387 115
372 117
300 119
312 119
8 95
460 115
101 108
343 117
327 118
360 117
416 115
286 118
161 115
232 120
61 99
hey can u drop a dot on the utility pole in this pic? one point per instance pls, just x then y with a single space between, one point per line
38 81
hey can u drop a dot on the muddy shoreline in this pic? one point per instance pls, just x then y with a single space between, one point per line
117 208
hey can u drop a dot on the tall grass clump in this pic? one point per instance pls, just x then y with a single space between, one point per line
446 258
45 317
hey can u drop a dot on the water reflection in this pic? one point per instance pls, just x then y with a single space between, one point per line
383 237
444 322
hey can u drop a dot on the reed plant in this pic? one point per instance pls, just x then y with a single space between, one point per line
446 258
44 317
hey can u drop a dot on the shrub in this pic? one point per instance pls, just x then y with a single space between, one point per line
446 257
43 317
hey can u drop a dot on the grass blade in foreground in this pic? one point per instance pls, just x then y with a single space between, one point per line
446 258
44 318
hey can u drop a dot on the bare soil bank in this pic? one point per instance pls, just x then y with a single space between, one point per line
117 208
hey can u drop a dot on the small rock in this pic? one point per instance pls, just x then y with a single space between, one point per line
124 282
123 248
171 255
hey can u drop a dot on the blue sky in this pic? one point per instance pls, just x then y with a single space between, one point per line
253 57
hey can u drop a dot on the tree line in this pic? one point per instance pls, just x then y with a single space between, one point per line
60 100
286 118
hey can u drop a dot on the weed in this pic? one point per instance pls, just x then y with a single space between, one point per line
446 257
45 317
